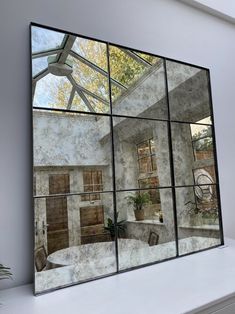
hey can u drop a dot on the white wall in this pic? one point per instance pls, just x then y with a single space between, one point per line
167 27
224 9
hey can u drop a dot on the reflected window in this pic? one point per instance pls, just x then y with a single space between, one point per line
202 142
146 156
147 166
92 182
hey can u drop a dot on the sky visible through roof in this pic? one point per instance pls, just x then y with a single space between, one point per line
89 85
89 59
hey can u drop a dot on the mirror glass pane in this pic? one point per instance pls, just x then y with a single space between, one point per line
193 154
188 93
69 72
79 145
73 241
44 39
198 218
141 153
149 227
142 91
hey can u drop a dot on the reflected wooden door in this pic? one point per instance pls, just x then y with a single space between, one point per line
92 225
57 214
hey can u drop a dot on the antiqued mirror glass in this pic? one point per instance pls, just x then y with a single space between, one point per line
124 159
198 218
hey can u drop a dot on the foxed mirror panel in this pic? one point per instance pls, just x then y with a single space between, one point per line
138 84
141 153
198 218
193 154
149 234
189 94
72 153
74 239
69 72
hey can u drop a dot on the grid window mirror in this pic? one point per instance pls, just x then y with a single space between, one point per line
124 159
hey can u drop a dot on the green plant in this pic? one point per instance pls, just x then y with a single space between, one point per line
4 272
138 200
210 213
192 208
120 227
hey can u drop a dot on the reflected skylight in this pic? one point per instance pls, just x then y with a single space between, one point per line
150 59
39 65
78 104
91 50
198 130
116 92
123 68
89 78
52 92
89 71
205 121
98 105
44 39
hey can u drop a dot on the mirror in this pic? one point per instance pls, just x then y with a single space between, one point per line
124 157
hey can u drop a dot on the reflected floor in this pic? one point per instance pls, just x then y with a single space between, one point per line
87 261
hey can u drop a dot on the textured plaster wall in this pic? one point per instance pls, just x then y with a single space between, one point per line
169 28
64 140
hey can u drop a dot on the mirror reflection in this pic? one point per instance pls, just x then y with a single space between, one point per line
193 154
149 223
189 96
198 218
141 153
122 160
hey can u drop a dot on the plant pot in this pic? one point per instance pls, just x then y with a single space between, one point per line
139 214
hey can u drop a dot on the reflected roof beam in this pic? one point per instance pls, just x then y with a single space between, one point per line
80 93
136 57
40 75
136 54
86 91
96 68
86 101
46 53
68 44
71 98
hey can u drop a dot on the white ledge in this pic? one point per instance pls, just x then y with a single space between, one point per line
223 9
147 221
202 227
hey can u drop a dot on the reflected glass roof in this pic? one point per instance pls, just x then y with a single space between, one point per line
81 81
44 39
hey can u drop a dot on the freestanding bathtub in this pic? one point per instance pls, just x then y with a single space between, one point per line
79 263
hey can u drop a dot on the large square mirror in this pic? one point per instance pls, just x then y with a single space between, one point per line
124 159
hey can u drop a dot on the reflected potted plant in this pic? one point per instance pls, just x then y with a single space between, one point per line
210 216
194 213
120 227
138 201
5 272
